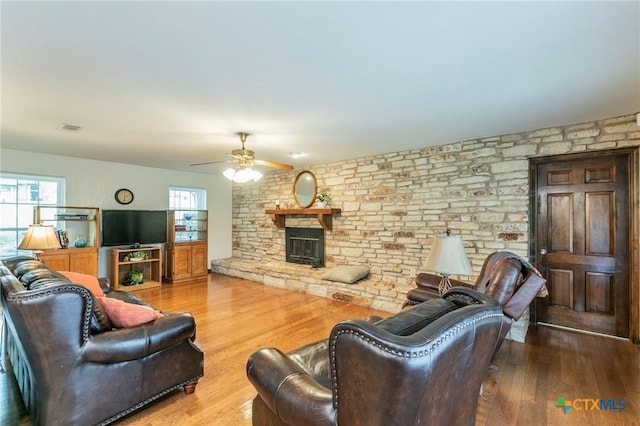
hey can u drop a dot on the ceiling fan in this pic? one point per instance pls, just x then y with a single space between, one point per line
246 157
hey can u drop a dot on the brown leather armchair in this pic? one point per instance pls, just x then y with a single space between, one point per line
507 278
423 365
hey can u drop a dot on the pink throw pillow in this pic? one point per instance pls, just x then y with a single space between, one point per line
125 315
88 281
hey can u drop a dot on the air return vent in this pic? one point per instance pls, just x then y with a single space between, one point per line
69 127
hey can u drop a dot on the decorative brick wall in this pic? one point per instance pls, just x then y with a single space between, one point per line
393 204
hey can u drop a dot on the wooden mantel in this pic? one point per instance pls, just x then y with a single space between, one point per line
325 215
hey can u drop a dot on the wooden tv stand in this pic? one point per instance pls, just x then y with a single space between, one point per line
151 268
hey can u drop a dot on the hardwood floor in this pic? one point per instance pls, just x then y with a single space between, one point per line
236 317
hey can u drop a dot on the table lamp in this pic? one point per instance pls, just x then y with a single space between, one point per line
38 238
447 257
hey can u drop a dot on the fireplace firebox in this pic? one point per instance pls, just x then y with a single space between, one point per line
305 246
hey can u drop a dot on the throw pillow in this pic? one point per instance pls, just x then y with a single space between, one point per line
125 315
100 321
346 274
88 281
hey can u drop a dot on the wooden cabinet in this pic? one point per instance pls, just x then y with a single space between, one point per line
186 261
121 264
187 247
78 230
82 260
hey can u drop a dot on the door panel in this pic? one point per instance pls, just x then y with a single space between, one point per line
600 292
582 226
600 218
200 258
182 262
562 282
84 263
561 215
57 262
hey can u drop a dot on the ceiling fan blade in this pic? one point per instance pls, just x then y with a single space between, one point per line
273 164
212 162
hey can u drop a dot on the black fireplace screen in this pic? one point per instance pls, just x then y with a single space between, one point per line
305 245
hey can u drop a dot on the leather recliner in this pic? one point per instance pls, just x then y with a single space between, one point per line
507 278
423 365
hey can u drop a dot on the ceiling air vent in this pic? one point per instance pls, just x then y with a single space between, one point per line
70 127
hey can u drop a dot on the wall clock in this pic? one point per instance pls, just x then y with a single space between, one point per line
124 196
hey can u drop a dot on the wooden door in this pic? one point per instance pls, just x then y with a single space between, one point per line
199 258
180 262
84 261
55 261
582 241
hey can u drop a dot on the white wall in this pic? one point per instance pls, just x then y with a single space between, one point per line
91 183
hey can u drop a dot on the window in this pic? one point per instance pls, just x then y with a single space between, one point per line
19 194
187 198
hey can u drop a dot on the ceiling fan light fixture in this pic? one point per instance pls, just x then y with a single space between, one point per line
246 159
242 174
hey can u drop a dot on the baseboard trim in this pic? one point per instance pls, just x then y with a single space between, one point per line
577 330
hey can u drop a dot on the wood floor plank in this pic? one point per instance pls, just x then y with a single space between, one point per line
235 317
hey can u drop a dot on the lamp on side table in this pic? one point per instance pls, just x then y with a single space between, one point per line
38 238
447 257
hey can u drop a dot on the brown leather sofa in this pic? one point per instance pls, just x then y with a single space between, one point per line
72 369
423 365
507 278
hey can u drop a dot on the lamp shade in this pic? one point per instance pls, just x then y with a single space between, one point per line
447 256
39 237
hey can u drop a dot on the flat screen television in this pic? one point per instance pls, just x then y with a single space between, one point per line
133 227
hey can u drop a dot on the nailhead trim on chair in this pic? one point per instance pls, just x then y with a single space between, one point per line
64 289
418 354
456 295
145 402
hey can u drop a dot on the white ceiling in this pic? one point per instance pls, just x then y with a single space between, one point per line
166 84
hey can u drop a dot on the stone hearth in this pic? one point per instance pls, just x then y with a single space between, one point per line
367 292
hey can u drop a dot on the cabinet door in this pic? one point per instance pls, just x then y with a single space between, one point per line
181 262
199 260
56 261
84 263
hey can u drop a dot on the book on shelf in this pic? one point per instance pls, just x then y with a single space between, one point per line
63 238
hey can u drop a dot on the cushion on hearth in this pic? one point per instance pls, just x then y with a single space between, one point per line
125 315
346 274
88 281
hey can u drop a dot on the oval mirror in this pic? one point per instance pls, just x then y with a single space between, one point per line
304 189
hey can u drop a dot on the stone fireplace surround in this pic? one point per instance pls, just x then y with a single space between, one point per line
393 204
